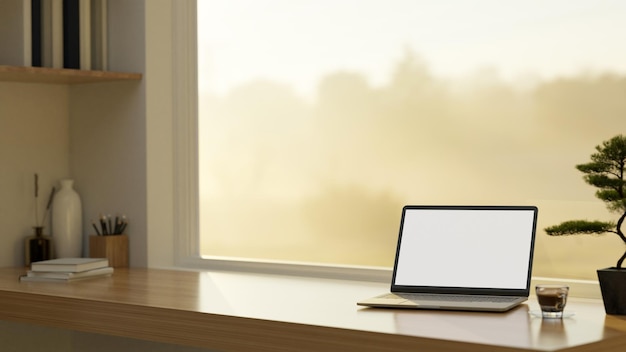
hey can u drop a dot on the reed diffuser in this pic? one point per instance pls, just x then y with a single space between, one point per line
39 246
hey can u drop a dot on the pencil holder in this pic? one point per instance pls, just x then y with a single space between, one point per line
113 247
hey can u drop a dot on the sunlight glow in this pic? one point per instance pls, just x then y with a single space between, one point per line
299 41
320 119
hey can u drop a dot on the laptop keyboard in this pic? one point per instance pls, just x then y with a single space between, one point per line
452 298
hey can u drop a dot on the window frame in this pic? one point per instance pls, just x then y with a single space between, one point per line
186 202
186 244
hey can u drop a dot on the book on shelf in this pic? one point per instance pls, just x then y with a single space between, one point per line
71 34
16 32
84 34
52 33
36 32
99 37
69 265
66 276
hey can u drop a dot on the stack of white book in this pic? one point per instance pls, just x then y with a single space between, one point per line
68 269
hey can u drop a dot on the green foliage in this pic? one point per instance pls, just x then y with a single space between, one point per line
574 227
605 172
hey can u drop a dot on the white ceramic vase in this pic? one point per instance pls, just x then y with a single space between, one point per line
67 221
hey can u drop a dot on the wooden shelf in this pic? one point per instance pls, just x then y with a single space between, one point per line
61 76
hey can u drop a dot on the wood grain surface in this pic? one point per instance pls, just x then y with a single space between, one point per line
242 312
27 74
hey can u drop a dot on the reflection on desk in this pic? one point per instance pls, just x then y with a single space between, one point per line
516 328
235 311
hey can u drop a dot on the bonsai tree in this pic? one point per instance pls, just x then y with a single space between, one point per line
605 172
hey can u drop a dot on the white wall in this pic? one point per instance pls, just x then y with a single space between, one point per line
159 133
122 133
108 132
34 128
107 151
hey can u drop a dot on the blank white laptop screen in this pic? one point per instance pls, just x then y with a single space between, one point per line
465 248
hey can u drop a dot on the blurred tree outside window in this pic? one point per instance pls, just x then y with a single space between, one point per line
320 119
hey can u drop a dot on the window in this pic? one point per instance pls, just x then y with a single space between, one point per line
319 119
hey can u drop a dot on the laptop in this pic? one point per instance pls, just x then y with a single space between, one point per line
476 258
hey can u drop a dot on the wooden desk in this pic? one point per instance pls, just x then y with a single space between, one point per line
243 312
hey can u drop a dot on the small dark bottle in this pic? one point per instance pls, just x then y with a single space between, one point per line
37 247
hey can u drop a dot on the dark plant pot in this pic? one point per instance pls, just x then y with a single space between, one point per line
613 287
